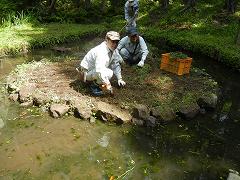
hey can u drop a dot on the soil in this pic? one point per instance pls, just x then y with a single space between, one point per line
149 85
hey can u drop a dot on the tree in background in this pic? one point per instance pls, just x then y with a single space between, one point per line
189 4
52 6
230 6
165 4
87 4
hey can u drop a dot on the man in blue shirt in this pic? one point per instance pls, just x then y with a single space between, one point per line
131 12
133 48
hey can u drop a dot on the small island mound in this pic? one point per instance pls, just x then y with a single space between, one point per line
151 96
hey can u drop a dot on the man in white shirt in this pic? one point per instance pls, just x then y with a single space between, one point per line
100 63
133 48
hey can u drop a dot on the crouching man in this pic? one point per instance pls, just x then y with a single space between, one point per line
99 65
133 48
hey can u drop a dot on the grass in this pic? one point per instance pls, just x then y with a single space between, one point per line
22 33
210 31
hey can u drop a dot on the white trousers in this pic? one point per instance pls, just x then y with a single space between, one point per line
103 77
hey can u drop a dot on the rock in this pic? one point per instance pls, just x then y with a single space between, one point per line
233 175
58 110
138 122
165 115
27 104
11 88
92 120
13 97
82 111
112 113
1 123
202 111
190 111
223 117
39 99
151 121
208 103
141 112
26 91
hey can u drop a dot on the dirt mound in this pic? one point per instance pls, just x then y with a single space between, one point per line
46 83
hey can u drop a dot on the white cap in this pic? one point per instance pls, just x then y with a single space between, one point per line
113 35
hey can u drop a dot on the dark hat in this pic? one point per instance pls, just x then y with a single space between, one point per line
131 2
132 31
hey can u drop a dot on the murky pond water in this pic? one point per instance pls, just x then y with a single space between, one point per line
35 146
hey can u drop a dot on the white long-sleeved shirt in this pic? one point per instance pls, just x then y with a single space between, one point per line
141 47
101 57
131 11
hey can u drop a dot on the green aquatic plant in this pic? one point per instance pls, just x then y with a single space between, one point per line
177 55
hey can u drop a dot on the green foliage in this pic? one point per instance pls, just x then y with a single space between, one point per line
18 19
7 7
177 55
209 30
205 37
142 72
15 38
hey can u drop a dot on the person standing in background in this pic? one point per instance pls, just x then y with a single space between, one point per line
131 12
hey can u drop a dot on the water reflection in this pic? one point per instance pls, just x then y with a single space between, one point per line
228 80
229 104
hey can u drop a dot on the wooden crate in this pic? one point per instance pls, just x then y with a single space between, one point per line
177 66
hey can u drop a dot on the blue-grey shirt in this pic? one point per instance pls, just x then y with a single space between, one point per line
141 47
131 11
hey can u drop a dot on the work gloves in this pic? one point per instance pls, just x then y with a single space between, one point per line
141 63
107 88
121 83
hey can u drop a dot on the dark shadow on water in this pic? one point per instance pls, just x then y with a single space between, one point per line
205 147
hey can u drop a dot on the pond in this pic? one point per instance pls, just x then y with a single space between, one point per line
35 146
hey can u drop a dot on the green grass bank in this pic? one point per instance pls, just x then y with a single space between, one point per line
25 36
209 30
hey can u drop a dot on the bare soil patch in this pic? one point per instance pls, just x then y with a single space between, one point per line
56 82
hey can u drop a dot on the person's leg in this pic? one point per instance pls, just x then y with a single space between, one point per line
126 56
106 75
96 80
137 58
81 73
124 53
134 24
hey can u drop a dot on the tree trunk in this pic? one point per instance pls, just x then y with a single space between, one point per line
104 6
230 6
165 4
115 4
87 4
52 6
237 40
189 4
77 3
28 3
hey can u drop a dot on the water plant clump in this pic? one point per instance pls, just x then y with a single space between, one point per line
177 56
